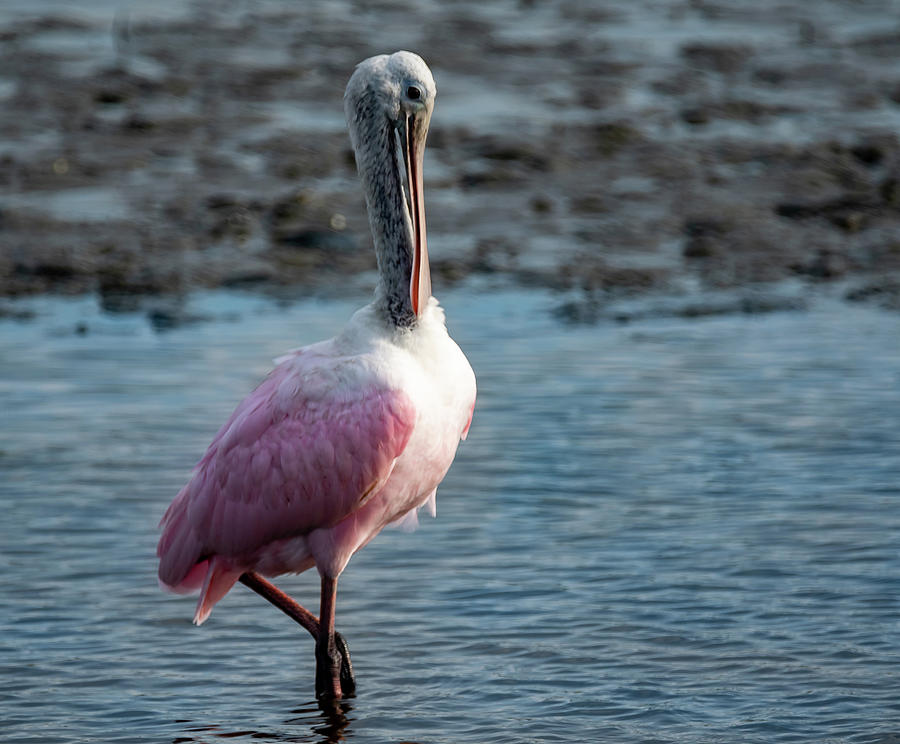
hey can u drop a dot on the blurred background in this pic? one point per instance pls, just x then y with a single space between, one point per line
667 235
606 148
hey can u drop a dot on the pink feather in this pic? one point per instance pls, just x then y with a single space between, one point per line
277 471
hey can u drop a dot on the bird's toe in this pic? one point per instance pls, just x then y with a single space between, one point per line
329 664
348 679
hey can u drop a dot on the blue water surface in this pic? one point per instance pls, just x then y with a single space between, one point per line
673 530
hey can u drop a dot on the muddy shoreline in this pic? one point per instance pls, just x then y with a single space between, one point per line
695 150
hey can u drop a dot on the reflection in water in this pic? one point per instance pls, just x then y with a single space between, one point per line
335 717
327 721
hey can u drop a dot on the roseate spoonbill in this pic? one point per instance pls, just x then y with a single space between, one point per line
347 435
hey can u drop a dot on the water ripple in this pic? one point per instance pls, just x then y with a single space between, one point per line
680 531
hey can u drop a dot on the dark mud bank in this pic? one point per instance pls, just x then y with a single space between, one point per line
686 150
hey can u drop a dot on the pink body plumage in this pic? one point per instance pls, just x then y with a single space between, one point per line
341 439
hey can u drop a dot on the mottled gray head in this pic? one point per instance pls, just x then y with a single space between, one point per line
388 102
393 85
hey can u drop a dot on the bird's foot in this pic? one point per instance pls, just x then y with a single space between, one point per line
348 679
334 670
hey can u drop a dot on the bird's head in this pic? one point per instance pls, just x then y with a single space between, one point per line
396 87
396 92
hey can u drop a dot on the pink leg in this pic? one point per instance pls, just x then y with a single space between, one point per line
346 683
328 658
282 601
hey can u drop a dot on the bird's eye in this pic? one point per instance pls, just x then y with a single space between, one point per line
413 93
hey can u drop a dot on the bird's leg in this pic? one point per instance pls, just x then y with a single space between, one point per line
348 679
304 617
328 657
282 601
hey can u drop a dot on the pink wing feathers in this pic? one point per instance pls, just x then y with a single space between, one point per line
283 465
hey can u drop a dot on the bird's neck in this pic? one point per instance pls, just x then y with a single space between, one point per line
380 170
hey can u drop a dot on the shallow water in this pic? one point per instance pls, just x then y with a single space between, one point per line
670 530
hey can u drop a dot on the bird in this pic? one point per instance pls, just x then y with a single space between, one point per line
344 436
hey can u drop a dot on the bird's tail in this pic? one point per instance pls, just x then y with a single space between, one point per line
182 567
220 577
179 551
